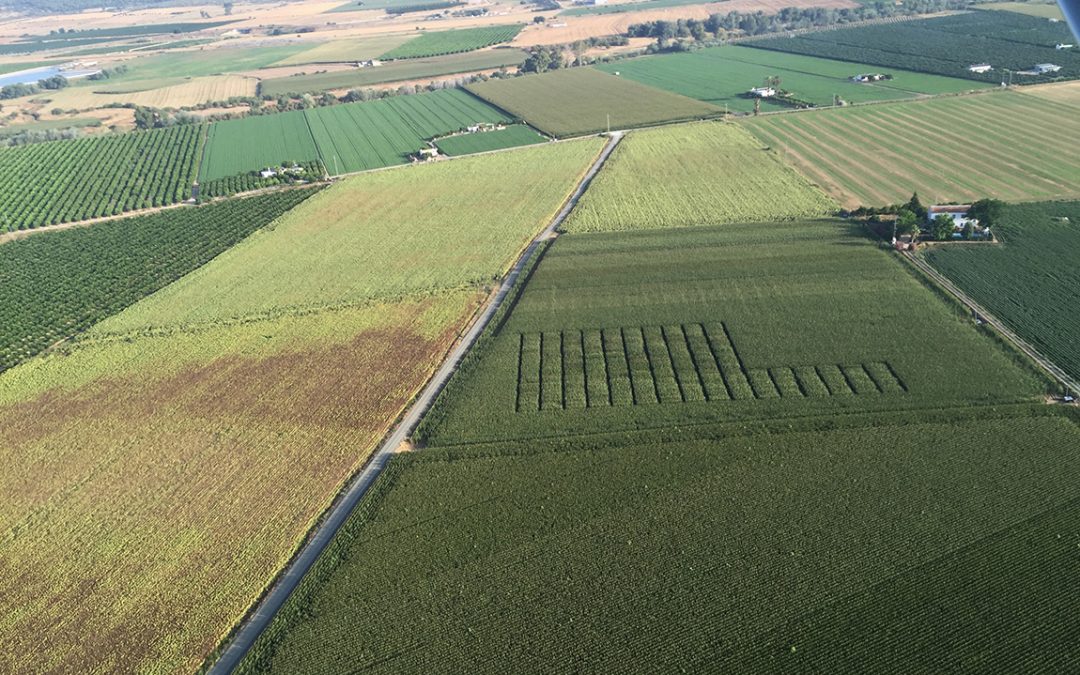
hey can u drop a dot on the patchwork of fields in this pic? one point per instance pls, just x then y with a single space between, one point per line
945 45
410 69
513 136
1005 145
712 324
723 76
453 41
1030 281
579 101
345 138
67 181
697 174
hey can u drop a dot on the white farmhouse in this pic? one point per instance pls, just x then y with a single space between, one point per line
763 92
980 68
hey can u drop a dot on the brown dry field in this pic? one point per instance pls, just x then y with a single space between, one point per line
582 27
145 509
1063 92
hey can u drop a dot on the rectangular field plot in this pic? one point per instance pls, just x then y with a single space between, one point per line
658 328
669 364
453 41
876 155
894 548
723 76
694 174
579 101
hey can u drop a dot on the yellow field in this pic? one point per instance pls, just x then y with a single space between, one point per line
153 488
1048 10
348 50
1063 92
192 92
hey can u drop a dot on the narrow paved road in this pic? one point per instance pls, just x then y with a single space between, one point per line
260 618
1045 363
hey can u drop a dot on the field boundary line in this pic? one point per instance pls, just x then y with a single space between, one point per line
265 609
1046 364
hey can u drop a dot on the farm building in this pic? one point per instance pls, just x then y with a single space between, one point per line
1046 68
763 92
870 77
980 68
959 213
1061 45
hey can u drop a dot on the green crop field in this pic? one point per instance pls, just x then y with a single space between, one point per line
345 138
945 45
583 100
1030 282
723 76
68 181
453 41
448 236
357 49
395 71
694 174
901 547
512 136
618 331
953 149
59 283
624 7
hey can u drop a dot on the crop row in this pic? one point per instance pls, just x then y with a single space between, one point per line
253 180
454 41
59 283
73 180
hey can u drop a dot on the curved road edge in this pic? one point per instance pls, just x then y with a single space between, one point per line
258 619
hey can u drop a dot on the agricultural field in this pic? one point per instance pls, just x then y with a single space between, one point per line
185 93
453 41
850 550
670 328
394 71
345 138
722 76
1030 281
694 174
945 45
949 150
1042 10
358 231
253 180
154 485
338 51
1062 92
579 101
68 181
60 283
624 7
513 136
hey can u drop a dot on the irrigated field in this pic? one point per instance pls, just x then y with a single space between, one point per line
945 45
723 76
1032 281
346 138
153 486
512 136
1003 145
694 174
410 69
57 284
360 49
620 331
388 233
453 41
583 100
67 181
903 547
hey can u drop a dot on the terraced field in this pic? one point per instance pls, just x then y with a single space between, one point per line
654 329
1030 282
948 150
723 75
695 174
583 100
775 552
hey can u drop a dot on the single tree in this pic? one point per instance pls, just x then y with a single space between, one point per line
943 227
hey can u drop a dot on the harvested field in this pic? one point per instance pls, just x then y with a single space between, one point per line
582 100
878 155
348 50
694 174
1064 92
154 486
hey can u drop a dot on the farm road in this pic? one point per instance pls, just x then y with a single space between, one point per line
1044 363
257 621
